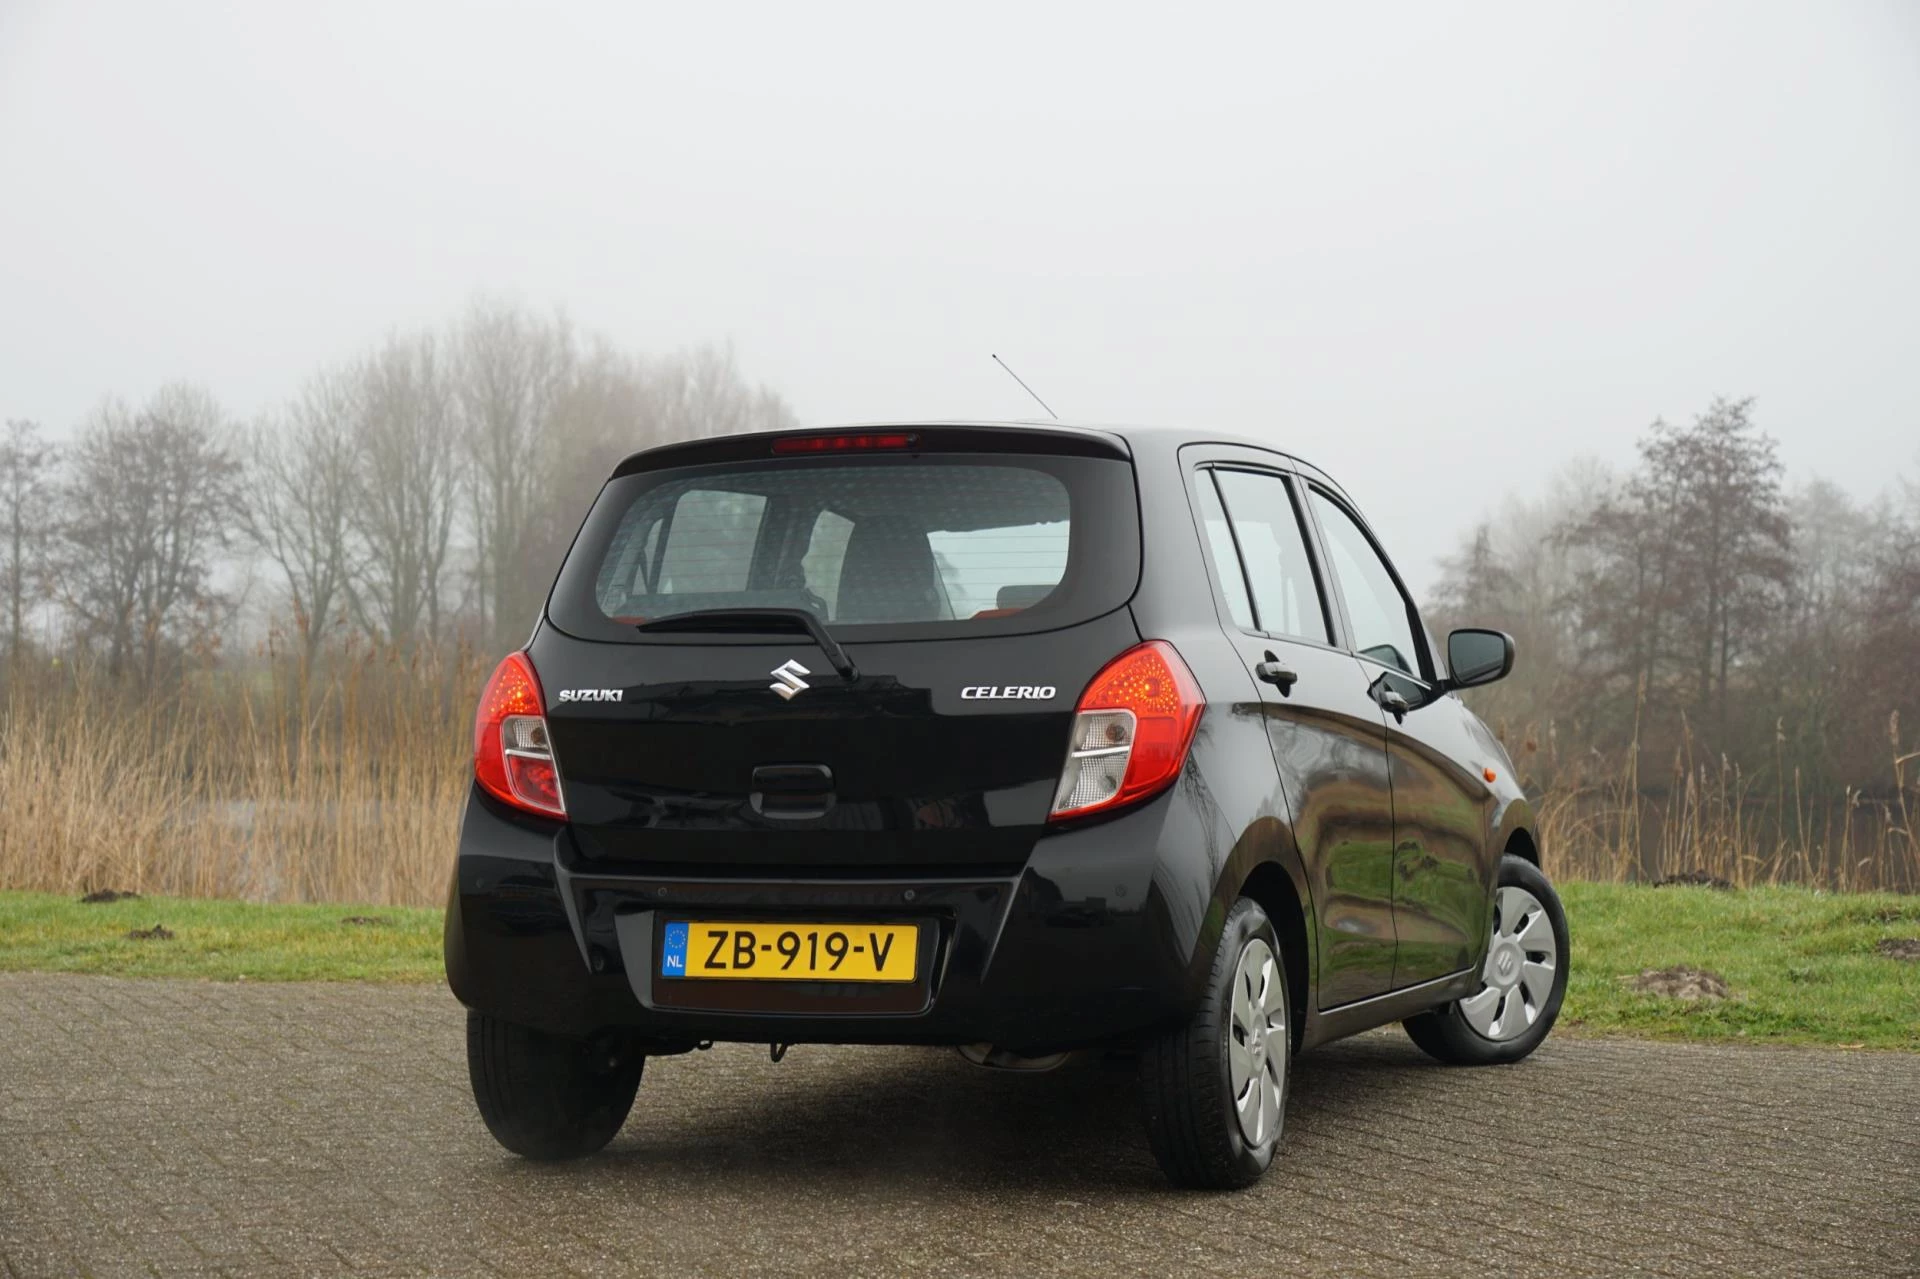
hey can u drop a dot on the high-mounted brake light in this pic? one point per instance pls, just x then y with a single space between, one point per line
843 443
512 756
1131 731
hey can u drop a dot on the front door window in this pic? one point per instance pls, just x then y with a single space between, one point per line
1382 618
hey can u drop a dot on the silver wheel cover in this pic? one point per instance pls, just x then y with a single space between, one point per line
1257 1042
1517 979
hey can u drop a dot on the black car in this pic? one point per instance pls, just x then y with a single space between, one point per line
1022 738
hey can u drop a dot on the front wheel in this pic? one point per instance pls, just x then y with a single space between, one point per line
1522 981
1215 1089
549 1096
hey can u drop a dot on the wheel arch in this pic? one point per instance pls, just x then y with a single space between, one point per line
1515 831
1271 886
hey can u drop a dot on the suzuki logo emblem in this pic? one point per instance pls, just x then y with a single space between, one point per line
787 681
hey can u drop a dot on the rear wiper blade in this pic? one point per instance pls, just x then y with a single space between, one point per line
749 620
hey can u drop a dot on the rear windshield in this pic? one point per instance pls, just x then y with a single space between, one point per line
920 546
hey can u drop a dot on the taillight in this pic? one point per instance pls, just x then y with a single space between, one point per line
512 757
1131 731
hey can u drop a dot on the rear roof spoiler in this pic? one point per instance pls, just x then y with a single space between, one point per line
930 438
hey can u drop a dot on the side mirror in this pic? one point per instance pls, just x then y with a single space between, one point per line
1476 657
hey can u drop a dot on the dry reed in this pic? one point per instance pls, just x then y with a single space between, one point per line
273 783
276 782
1602 821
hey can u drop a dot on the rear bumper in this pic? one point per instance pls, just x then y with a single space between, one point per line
1097 939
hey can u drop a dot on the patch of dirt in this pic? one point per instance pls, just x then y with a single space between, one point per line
159 932
1694 879
102 895
1681 982
1900 948
366 921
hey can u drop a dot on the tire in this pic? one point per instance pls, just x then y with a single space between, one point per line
549 1096
1522 983
1187 1076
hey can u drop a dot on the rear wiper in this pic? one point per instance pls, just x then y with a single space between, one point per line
759 619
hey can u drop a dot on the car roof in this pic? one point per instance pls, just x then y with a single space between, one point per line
1127 434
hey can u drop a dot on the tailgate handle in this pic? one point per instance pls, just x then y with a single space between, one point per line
792 791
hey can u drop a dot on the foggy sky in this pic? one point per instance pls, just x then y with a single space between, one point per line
1436 250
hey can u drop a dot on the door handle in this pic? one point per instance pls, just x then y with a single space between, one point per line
1272 672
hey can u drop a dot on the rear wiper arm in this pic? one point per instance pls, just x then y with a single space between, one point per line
759 619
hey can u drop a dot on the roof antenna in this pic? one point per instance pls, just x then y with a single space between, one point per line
1029 390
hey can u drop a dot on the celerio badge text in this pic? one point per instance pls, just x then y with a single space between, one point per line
1008 693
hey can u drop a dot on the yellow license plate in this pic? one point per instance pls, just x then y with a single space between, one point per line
790 952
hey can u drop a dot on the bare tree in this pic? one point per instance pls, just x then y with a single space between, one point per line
1690 561
150 498
596 422
1886 661
1735 538
406 465
513 368
26 497
700 393
541 424
1514 571
302 478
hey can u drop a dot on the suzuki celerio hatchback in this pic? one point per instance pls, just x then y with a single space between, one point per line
1021 738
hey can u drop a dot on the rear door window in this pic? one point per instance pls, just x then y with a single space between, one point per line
938 544
1220 547
1286 600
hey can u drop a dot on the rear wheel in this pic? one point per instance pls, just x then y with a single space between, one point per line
549 1096
1522 980
1215 1089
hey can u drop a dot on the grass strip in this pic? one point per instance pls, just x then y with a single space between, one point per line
219 940
1802 967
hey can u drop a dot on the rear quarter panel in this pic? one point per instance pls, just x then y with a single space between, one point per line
1237 819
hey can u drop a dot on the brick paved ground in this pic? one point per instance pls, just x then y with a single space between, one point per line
179 1127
